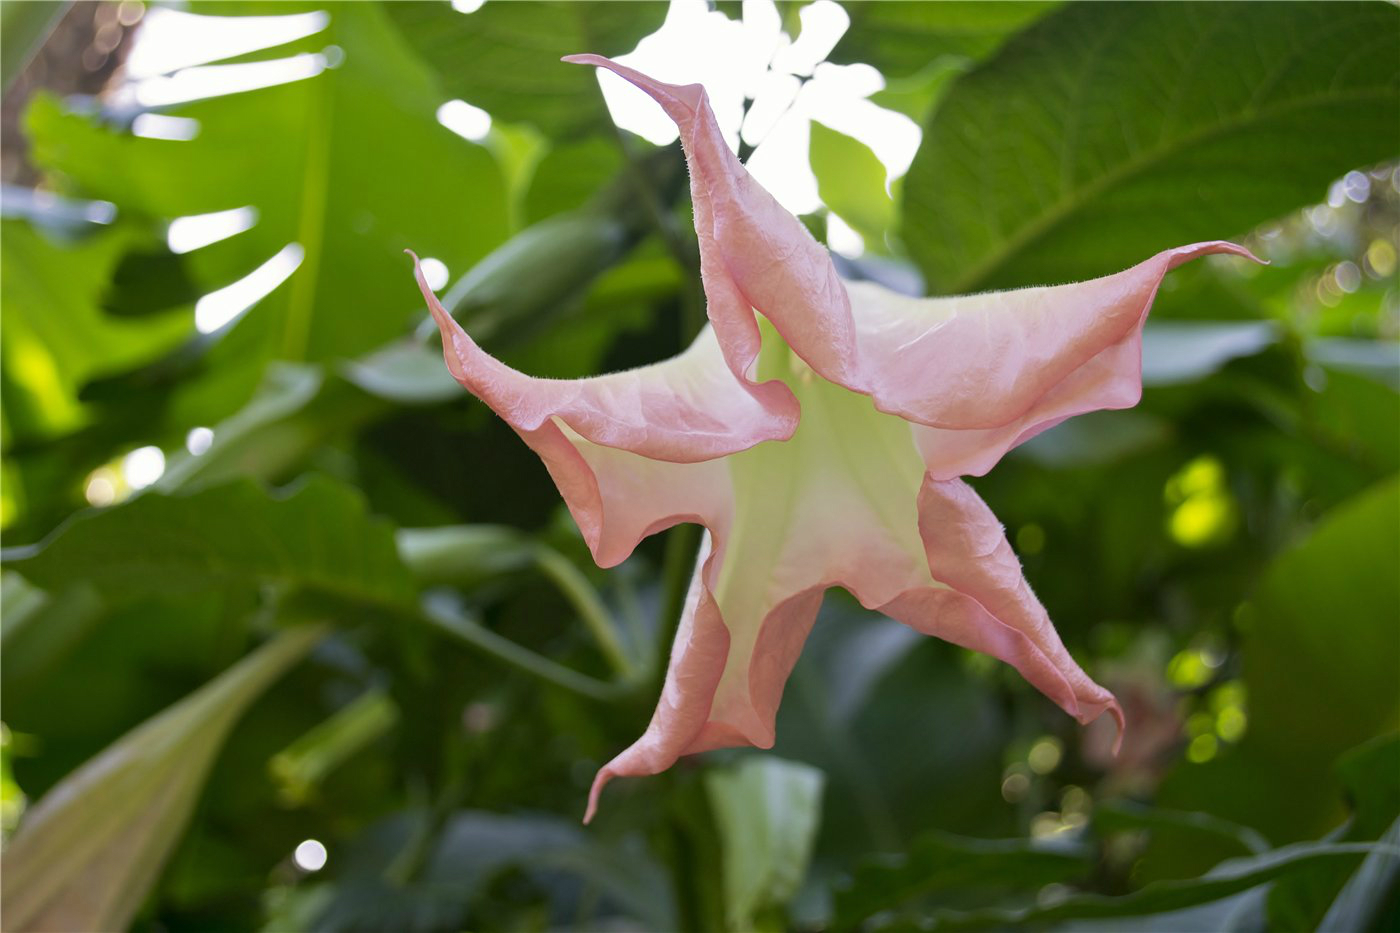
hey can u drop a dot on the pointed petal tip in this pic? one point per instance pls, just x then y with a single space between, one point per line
1184 254
600 780
586 58
1116 712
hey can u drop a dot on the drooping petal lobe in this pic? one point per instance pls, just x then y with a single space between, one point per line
984 602
754 255
631 452
982 373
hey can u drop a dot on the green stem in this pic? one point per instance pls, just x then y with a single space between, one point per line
504 649
685 252
584 598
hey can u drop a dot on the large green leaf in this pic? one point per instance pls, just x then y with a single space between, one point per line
1319 665
767 811
351 164
56 334
1321 659
317 536
903 38
1159 897
1106 132
86 856
939 863
504 57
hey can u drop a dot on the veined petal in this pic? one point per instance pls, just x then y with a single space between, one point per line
980 374
753 253
631 452
1007 363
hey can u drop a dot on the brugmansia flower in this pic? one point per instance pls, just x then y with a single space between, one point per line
818 430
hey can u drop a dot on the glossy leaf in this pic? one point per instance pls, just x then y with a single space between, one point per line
1107 131
294 152
903 38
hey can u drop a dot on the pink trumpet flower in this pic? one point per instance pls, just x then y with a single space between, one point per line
818 430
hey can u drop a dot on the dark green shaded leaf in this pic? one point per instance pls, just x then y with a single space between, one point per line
1159 897
504 57
940 863
38 630
902 38
1118 815
317 535
1107 132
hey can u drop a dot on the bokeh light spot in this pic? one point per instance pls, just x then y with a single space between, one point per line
310 855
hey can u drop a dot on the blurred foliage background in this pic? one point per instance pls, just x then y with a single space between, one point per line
297 636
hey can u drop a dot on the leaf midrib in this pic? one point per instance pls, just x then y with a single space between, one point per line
1128 169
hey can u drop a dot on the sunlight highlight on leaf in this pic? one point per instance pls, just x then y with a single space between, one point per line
220 308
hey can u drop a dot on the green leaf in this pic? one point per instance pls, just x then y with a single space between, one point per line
1319 660
1176 352
39 630
942 863
1118 815
25 26
1160 896
299 769
1301 902
1320 663
88 853
317 536
1106 132
504 57
473 849
56 335
851 181
903 38
767 811
325 161
1360 902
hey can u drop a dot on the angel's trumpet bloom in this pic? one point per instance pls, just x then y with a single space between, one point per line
818 429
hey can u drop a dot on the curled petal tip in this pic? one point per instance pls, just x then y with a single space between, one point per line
593 794
585 58
1185 254
1116 712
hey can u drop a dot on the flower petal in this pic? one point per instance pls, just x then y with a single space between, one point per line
1008 363
697 663
632 452
984 603
981 374
753 253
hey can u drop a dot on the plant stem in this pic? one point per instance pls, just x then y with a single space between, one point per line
478 636
595 615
